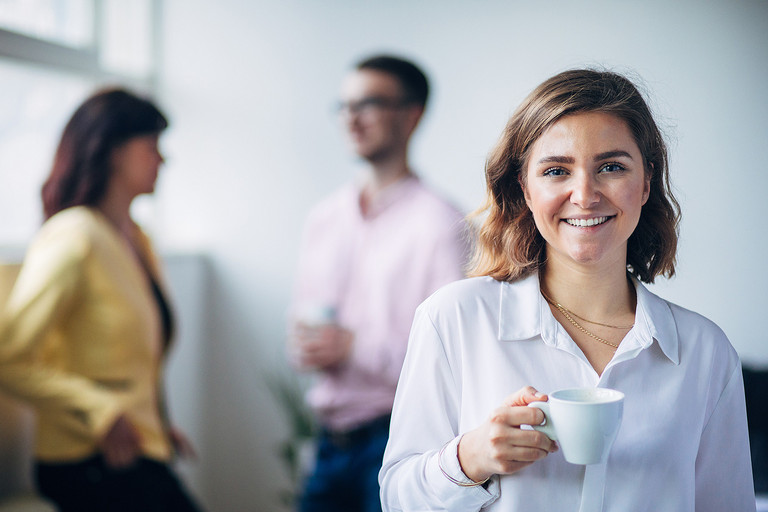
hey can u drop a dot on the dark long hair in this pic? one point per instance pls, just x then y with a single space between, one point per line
509 245
81 168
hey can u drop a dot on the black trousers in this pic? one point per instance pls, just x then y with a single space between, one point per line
91 486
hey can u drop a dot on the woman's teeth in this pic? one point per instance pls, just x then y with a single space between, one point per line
585 223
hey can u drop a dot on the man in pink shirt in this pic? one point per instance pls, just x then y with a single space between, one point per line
372 252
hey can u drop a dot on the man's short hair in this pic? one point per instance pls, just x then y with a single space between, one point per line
413 80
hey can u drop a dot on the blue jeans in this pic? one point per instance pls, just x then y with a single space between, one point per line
346 476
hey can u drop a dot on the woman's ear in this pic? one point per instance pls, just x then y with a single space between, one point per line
521 182
647 184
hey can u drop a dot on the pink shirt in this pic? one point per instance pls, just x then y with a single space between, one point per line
374 271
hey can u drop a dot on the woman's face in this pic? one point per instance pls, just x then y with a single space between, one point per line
585 185
135 165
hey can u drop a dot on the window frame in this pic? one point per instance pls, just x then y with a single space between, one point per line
86 61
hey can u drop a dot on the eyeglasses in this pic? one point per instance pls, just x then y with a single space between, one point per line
370 105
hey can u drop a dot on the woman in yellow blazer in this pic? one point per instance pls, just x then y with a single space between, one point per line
87 325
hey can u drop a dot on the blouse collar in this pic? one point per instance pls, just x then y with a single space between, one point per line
525 314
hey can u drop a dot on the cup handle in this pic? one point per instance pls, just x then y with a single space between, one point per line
547 427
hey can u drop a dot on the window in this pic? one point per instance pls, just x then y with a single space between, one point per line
53 53
66 22
35 104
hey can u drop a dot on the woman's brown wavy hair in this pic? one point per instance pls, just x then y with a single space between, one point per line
509 246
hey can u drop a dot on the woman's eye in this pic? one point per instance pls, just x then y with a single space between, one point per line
612 167
555 171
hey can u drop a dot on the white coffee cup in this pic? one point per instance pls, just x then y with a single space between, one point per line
584 422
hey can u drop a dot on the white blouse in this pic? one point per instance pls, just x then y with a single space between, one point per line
682 446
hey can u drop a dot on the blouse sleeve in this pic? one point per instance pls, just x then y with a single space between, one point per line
424 420
43 296
723 465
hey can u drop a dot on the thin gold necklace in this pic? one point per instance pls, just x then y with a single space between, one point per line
571 313
567 314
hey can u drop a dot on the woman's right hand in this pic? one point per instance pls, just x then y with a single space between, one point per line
500 446
121 445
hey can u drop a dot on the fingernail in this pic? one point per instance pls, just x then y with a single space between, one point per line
538 394
555 447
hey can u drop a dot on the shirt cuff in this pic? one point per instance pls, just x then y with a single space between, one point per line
456 497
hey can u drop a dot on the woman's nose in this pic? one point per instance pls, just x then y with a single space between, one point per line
586 191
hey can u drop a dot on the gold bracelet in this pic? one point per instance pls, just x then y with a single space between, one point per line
453 480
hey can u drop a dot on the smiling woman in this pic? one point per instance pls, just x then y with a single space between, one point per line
585 185
510 246
579 215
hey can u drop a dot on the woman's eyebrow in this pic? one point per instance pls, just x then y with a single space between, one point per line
557 160
612 154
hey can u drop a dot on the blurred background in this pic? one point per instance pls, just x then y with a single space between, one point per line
249 87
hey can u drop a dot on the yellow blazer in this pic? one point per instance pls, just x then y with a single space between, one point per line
81 338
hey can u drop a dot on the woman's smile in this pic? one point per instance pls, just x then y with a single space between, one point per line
585 185
587 223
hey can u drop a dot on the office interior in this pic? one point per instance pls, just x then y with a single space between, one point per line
249 87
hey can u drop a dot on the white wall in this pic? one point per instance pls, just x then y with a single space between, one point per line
249 86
